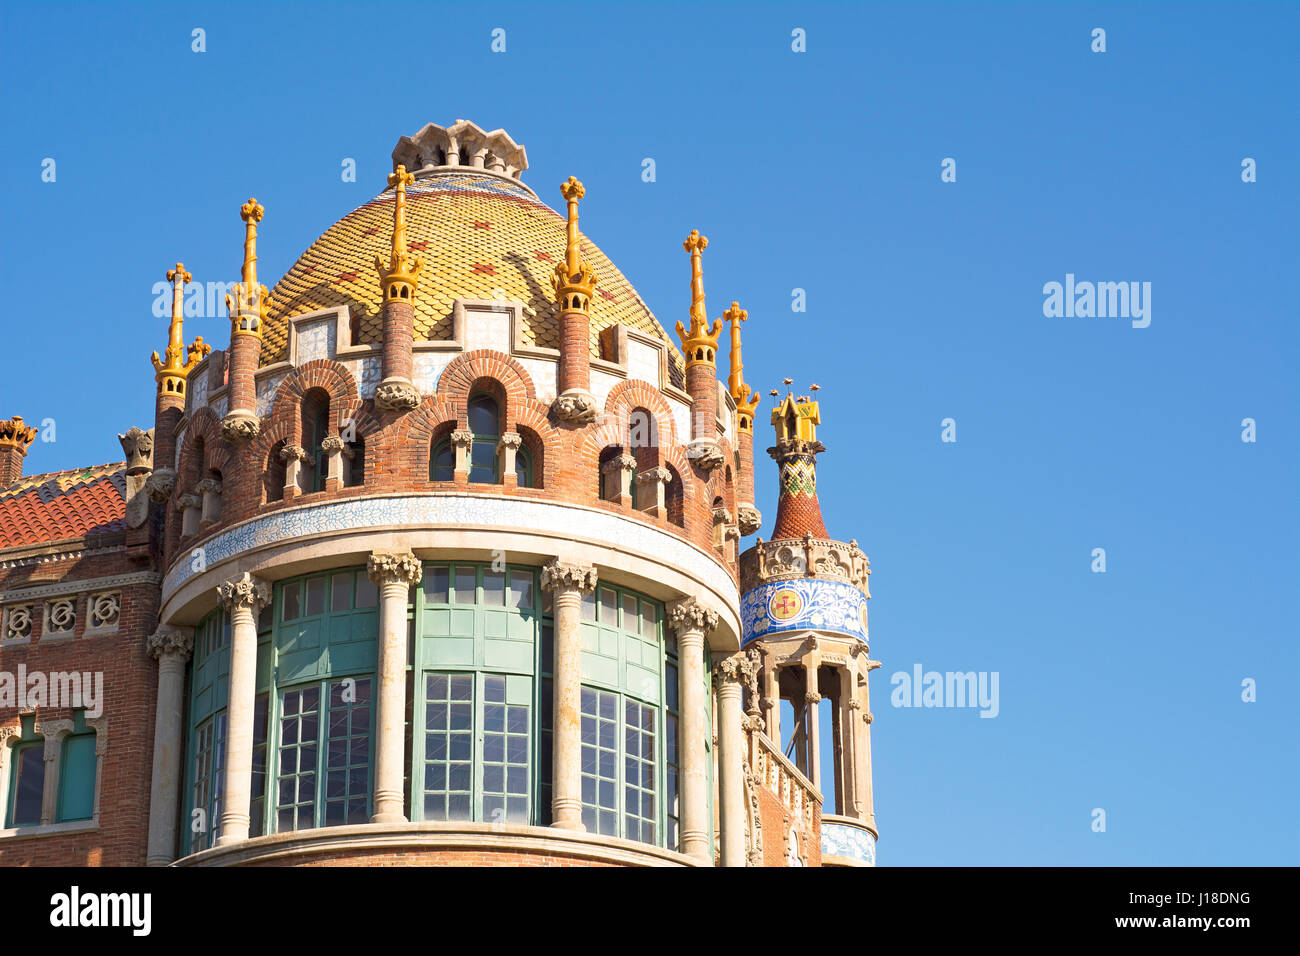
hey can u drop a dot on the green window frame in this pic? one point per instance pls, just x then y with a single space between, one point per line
479 719
26 794
317 426
205 759
483 415
442 462
78 765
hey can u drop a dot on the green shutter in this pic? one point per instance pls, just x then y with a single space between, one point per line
77 778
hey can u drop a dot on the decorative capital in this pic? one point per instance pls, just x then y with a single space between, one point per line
401 275
559 575
331 444
659 473
574 281
397 396
705 453
15 433
812 697
170 641
737 670
160 485
511 440
688 614
293 453
618 463
394 567
700 343
209 486
137 445
188 501
576 407
237 427
462 437
244 592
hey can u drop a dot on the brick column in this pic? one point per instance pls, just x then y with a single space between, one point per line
15 437
171 647
567 583
395 391
394 573
243 598
246 304
693 622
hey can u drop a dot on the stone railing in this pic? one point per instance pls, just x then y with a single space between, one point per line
804 557
776 774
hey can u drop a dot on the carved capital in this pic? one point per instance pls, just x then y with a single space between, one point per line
721 515
618 463
558 575
394 567
209 486
577 408
170 641
510 440
738 670
705 454
462 437
244 591
689 614
659 474
749 519
188 501
160 485
397 396
812 697
331 444
238 426
293 453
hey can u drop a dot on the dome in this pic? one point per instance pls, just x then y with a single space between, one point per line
482 235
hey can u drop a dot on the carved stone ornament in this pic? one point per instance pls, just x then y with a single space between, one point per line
511 440
738 670
462 437
170 640
244 591
576 408
238 426
705 454
749 519
559 575
293 453
619 463
689 614
209 486
137 445
160 485
331 444
397 396
659 474
188 501
394 567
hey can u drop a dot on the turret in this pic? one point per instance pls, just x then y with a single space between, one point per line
16 436
171 373
700 345
246 303
398 279
747 516
574 283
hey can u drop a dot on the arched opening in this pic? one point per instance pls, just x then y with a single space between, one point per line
674 496
354 463
484 418
273 476
315 429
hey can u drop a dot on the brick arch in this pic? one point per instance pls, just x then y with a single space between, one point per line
329 376
470 369
216 452
633 393
405 444
274 432
543 439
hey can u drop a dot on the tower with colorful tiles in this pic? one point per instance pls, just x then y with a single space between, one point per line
804 613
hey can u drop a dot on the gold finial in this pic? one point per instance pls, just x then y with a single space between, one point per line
701 343
401 276
745 402
246 301
574 282
796 417
170 372
15 433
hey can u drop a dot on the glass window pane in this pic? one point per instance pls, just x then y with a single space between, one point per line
631 621
483 462
649 620
289 600
608 607
483 417
29 786
521 589
588 606
367 591
435 585
522 468
494 588
465 579
315 596
443 466
341 592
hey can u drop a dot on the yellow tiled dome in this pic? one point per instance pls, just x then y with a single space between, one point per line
481 237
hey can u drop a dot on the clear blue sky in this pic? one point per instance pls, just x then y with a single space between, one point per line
821 171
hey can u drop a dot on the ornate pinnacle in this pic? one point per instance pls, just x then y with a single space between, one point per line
574 282
400 277
15 433
740 391
701 344
171 372
246 301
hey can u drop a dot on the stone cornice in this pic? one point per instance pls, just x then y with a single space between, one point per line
79 586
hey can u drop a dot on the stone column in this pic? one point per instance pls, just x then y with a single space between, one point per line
188 505
772 702
332 445
243 598
846 751
210 489
567 583
618 472
461 440
652 485
507 449
172 648
728 677
394 573
293 457
693 622
812 699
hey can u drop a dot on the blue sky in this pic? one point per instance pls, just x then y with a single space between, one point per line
817 170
